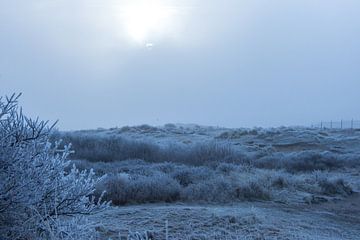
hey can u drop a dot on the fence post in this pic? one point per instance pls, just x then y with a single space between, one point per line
352 123
321 125
331 124
341 123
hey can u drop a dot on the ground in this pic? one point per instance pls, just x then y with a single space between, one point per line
247 220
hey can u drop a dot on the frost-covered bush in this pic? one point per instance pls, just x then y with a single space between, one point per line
218 189
123 189
226 168
104 168
167 182
307 161
252 191
166 167
116 187
100 148
238 133
186 175
210 153
96 147
335 187
38 199
224 189
135 181
159 187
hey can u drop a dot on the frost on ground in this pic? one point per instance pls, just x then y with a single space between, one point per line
249 220
218 183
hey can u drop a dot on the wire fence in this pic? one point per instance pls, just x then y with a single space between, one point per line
342 124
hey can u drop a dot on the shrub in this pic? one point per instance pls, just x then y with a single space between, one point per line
158 188
109 148
226 168
222 188
37 199
116 187
210 153
170 182
101 148
166 167
305 161
335 187
123 189
170 126
188 175
279 182
252 191
184 177
233 183
217 189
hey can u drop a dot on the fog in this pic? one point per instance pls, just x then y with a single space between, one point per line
225 63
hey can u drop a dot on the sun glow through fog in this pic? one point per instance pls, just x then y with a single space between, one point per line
145 20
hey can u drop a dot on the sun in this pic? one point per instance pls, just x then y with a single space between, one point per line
144 20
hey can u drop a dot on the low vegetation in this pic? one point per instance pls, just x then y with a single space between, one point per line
97 148
113 148
308 161
212 172
136 181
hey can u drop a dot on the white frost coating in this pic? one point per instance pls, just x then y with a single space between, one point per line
38 199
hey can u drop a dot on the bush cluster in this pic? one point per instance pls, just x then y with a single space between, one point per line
107 148
110 148
307 161
122 189
141 182
136 181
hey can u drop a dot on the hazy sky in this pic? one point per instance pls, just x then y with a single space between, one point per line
230 63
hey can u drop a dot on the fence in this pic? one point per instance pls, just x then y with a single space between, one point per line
343 124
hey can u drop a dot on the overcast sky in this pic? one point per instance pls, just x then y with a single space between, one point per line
234 63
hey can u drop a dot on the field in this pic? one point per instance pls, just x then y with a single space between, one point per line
196 182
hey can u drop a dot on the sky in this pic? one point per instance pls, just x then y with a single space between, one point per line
232 63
